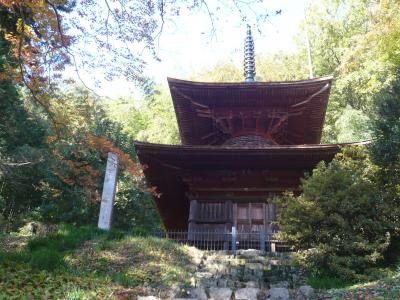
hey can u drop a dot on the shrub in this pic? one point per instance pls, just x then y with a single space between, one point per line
385 149
339 224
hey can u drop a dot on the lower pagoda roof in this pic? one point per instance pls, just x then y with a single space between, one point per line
179 171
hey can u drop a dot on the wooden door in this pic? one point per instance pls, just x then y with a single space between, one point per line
250 216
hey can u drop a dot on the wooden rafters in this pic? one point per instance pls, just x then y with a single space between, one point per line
267 123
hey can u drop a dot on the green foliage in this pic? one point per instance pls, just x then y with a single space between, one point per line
22 148
55 270
45 259
385 150
325 282
277 67
340 224
281 67
352 125
347 41
56 188
66 238
150 120
47 253
223 71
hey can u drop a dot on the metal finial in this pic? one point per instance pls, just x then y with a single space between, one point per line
249 62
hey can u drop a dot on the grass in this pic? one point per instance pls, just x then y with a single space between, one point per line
386 285
85 263
47 253
386 288
327 282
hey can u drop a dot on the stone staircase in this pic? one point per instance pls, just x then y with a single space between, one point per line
248 275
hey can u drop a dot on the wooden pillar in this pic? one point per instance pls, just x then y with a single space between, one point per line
109 189
193 216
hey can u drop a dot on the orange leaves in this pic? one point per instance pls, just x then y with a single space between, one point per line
38 53
38 46
133 168
104 146
67 181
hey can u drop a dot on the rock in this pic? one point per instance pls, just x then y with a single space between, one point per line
148 298
192 281
275 262
249 253
223 283
253 271
280 284
174 291
254 266
278 294
251 284
247 294
220 293
306 292
198 293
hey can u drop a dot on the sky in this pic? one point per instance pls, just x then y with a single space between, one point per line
188 45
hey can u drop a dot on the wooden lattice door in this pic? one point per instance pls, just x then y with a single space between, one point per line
250 216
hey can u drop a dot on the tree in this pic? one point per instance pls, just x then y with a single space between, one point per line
340 224
42 35
22 149
385 149
355 40
151 119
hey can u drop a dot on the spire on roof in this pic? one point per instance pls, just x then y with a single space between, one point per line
249 63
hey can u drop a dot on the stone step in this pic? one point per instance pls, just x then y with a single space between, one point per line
220 293
302 293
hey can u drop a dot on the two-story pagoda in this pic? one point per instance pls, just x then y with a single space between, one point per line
242 143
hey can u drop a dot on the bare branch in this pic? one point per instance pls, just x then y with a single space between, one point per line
66 47
213 30
162 12
22 163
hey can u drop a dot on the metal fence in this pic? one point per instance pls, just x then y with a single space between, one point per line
227 240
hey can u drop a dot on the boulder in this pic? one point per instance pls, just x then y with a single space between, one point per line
252 284
280 284
198 293
249 253
279 294
220 293
247 294
306 292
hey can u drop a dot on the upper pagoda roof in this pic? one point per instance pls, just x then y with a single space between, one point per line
284 113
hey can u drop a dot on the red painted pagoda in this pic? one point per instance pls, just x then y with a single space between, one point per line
242 143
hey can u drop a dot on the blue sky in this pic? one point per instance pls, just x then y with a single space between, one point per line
187 44
188 47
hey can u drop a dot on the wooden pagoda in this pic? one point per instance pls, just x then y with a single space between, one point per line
242 143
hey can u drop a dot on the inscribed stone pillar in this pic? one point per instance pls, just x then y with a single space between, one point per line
109 188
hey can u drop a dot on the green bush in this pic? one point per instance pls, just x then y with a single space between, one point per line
339 224
385 149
